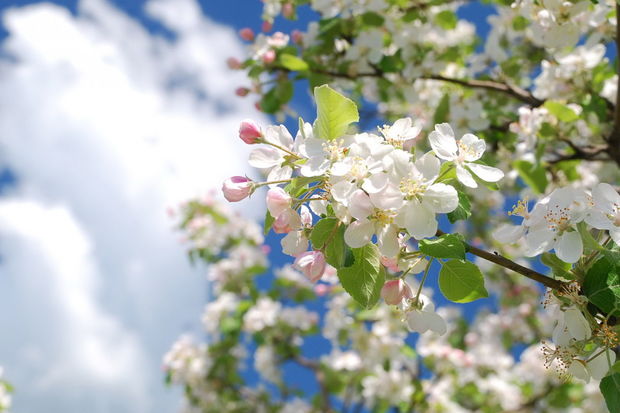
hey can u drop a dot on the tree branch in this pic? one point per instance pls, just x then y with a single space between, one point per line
511 265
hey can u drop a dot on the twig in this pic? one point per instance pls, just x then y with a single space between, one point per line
511 265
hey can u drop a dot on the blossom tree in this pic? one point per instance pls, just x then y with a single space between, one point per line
526 116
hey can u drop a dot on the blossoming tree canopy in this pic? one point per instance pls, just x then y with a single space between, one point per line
358 202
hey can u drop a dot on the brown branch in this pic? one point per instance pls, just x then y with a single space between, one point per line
510 90
511 265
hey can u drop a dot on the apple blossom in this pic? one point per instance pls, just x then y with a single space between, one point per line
246 34
421 317
312 264
249 132
237 188
277 201
395 291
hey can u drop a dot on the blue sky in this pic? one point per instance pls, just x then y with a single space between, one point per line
98 147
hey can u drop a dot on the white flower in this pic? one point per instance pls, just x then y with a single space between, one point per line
422 319
573 326
463 153
401 131
606 212
596 368
271 159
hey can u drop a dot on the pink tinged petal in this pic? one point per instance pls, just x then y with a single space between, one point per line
359 233
441 198
486 173
606 198
342 191
472 147
311 264
314 167
390 197
578 369
598 220
599 366
569 247
394 291
279 135
306 216
443 144
577 325
375 183
538 242
294 243
465 177
387 241
277 201
418 220
429 166
507 234
265 158
360 206
279 174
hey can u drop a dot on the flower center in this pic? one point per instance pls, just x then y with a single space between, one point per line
335 152
412 188
558 219
383 217
520 209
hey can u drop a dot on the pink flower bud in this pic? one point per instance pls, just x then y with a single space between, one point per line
312 264
242 91
390 263
306 216
277 201
394 291
287 221
247 34
249 132
267 26
237 188
322 289
288 10
233 63
269 57
297 36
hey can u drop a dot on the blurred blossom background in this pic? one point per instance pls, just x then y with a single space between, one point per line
111 112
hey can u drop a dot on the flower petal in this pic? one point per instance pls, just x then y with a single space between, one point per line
569 247
418 220
387 241
441 198
605 198
507 234
265 158
599 366
443 143
359 233
471 147
486 173
465 177
360 206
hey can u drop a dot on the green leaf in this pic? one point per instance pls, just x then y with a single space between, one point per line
445 246
372 19
520 23
328 235
561 111
269 220
443 110
610 387
364 279
534 176
335 113
298 185
462 211
602 286
461 281
284 91
293 63
322 231
446 19
558 267
270 103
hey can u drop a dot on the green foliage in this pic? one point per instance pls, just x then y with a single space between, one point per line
335 113
461 281
443 110
328 236
561 111
533 176
610 387
269 220
602 286
559 268
446 19
292 62
445 246
462 211
363 280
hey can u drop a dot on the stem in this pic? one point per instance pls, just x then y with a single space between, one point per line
511 265
282 149
423 280
259 184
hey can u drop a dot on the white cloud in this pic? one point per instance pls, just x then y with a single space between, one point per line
105 125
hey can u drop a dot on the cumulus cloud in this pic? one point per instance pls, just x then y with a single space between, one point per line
104 125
